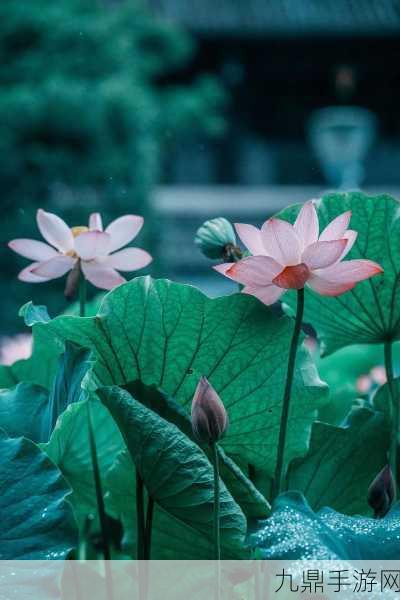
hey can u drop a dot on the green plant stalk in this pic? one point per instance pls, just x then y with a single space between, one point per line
142 552
395 411
140 519
280 459
84 538
82 294
98 486
149 526
93 450
216 528
100 506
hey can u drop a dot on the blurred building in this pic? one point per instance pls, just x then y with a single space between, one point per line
281 61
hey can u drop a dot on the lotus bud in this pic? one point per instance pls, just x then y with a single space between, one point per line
381 492
216 239
209 417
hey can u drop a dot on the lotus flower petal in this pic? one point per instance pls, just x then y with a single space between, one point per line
267 294
251 238
124 230
92 244
306 225
28 276
129 259
281 242
95 222
101 276
323 254
336 228
55 267
255 270
343 276
55 231
32 249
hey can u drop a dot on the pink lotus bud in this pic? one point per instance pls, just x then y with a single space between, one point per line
381 492
209 417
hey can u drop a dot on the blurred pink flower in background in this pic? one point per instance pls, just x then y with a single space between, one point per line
287 256
311 343
378 375
98 252
15 348
367 382
364 384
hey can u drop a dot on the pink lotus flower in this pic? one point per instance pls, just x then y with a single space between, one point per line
287 256
90 248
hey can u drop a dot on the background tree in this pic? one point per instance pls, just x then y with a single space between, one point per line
84 116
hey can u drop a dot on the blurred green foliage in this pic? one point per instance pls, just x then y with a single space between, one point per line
85 118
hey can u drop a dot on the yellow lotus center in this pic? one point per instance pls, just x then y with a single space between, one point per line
78 230
75 232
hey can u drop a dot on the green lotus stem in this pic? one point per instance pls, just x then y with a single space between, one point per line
93 450
82 295
216 531
395 411
144 521
140 519
98 486
280 459
149 526
85 537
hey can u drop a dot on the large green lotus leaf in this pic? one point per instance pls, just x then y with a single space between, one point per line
169 335
370 312
175 471
36 519
253 504
22 409
34 313
295 532
243 490
340 465
172 539
67 385
31 411
69 449
381 399
41 367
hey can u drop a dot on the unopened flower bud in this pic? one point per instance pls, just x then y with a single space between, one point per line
216 239
209 417
381 492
